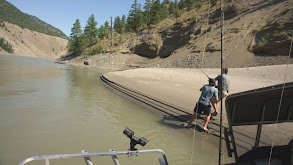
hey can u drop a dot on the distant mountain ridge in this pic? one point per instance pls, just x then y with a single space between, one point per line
11 14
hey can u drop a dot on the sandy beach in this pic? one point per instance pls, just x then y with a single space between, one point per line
180 88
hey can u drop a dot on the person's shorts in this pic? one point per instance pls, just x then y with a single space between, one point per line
199 108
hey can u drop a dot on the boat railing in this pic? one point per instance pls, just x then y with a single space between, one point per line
86 156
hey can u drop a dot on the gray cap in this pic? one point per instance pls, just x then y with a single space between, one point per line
212 81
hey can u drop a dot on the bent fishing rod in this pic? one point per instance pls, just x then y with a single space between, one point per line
204 73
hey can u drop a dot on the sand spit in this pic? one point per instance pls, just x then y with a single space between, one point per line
181 86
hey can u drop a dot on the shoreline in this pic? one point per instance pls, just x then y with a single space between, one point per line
180 88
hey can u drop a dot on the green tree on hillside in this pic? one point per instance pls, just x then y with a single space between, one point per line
182 5
107 29
117 25
147 7
123 24
131 26
140 18
135 17
156 12
6 46
102 32
198 4
166 1
76 43
164 11
177 11
190 4
214 2
173 9
91 31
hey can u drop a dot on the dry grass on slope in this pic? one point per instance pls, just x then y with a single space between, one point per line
30 43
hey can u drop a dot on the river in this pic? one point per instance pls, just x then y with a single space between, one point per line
49 108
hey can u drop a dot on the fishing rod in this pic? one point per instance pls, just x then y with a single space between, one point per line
204 73
221 112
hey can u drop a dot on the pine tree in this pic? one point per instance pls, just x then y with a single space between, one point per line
198 4
135 17
182 5
156 12
172 8
147 7
107 29
139 18
164 11
166 1
117 25
123 24
102 32
131 27
91 31
190 4
76 38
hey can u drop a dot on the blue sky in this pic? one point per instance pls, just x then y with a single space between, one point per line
62 14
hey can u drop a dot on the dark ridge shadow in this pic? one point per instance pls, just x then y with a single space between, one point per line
68 57
231 12
264 6
175 38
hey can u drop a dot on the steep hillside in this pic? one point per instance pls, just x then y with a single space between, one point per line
31 43
11 14
256 32
27 35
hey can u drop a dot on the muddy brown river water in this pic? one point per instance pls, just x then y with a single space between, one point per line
49 108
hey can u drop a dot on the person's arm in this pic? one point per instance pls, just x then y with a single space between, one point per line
217 99
218 77
201 88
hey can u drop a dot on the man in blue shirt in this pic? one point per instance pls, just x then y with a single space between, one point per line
203 105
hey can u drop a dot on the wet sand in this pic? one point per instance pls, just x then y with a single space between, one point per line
180 88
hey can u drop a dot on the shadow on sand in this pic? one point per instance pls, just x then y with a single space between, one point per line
180 121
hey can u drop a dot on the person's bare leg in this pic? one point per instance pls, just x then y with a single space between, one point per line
205 127
215 104
216 107
191 120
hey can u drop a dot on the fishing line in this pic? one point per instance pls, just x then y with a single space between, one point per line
281 100
193 141
206 31
204 73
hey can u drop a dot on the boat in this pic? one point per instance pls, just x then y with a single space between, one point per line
268 105
132 151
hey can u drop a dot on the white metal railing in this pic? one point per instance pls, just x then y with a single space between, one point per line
87 156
